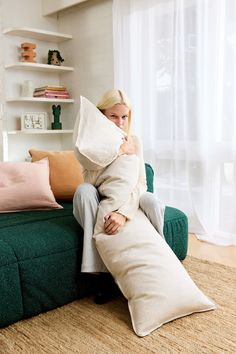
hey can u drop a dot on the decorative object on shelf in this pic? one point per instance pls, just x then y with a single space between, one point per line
34 120
54 57
51 92
56 110
27 88
28 54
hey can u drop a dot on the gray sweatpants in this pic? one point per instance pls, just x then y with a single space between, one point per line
85 206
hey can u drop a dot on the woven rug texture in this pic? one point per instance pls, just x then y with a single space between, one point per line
86 328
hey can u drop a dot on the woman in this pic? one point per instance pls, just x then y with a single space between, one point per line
115 105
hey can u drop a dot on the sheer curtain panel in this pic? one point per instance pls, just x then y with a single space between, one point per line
177 61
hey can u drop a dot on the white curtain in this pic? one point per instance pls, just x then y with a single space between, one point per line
176 59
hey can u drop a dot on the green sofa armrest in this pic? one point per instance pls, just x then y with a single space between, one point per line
175 222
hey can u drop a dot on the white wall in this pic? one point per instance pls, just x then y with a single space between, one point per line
26 13
91 50
53 6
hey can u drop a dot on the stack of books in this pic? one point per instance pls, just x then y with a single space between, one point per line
51 92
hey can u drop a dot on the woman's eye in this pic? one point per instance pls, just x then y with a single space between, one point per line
124 117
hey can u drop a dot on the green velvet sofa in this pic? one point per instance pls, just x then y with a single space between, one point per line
40 258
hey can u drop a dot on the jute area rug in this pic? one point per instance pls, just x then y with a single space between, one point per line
83 327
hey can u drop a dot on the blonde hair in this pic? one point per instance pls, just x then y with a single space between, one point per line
112 97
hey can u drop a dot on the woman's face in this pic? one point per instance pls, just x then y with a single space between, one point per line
118 114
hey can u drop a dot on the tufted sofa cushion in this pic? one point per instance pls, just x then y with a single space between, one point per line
40 256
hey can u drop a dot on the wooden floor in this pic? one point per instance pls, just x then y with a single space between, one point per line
219 254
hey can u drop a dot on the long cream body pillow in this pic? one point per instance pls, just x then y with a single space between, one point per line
150 276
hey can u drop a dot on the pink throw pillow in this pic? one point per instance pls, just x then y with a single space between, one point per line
25 186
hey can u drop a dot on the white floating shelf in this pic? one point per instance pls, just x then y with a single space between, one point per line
39 67
34 99
54 6
35 131
39 34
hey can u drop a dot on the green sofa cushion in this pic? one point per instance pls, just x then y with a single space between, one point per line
175 222
176 231
150 177
48 247
37 233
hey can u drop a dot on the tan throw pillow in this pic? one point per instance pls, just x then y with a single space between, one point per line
65 172
25 186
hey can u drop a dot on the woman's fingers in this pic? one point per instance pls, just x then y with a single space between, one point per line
113 231
128 148
110 226
113 222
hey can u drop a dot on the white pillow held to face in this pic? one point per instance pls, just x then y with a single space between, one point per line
97 140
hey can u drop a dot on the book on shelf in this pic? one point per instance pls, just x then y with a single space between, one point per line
53 96
51 88
48 92
51 92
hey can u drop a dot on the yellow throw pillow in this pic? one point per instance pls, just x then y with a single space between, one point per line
65 172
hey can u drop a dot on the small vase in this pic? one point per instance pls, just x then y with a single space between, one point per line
27 89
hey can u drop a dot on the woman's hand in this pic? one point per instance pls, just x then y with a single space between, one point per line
128 147
113 222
